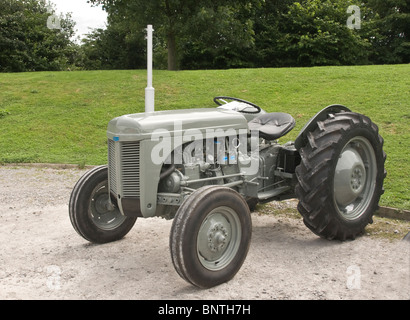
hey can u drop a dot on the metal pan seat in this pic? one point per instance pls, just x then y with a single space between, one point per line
272 126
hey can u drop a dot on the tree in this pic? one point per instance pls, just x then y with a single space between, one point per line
204 34
218 37
113 48
174 20
268 22
390 31
314 33
27 44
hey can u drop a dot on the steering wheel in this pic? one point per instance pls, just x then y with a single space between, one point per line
217 101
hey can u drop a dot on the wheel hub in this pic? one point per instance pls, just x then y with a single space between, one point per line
102 213
357 181
101 204
350 177
217 237
355 178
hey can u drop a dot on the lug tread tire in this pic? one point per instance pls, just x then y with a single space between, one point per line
315 175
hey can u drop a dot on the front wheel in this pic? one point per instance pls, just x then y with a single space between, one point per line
210 236
340 178
91 214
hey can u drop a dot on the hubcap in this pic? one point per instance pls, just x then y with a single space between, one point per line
355 178
350 177
218 238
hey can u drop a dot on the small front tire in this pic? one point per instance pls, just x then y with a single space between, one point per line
91 214
210 236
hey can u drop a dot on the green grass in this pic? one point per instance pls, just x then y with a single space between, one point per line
61 117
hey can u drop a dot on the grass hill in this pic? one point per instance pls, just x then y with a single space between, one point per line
61 117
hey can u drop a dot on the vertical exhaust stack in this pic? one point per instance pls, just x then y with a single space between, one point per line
149 90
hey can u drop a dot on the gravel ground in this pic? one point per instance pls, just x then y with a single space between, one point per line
42 257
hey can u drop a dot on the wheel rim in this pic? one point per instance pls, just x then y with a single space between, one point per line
355 178
101 213
219 238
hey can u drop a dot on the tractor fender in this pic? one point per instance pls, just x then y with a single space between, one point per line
311 125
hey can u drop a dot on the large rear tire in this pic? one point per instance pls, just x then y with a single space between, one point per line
340 178
210 236
90 212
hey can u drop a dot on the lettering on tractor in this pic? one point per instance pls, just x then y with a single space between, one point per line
208 168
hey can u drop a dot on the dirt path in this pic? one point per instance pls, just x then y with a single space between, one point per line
42 257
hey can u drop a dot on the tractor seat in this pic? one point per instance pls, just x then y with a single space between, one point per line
272 126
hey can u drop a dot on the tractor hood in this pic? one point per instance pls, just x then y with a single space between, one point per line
140 126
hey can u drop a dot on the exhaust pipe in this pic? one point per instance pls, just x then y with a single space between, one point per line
149 90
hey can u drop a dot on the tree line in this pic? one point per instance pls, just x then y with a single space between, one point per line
208 34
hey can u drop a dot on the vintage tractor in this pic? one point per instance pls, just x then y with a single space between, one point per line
208 168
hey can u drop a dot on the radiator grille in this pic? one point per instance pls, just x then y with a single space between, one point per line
130 169
125 175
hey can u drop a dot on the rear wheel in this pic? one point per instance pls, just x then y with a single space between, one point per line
91 214
340 178
210 236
